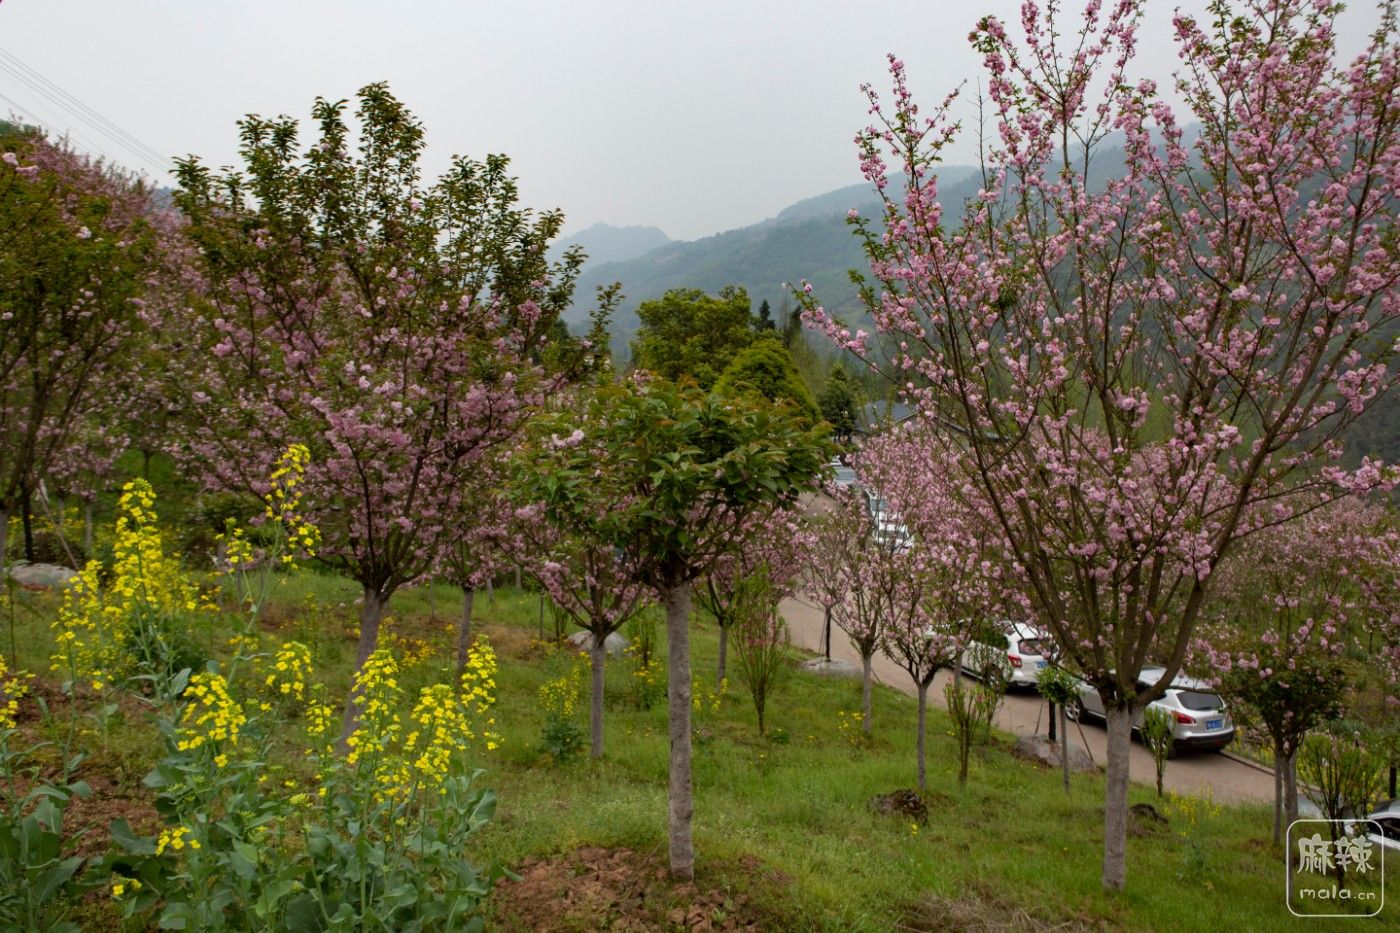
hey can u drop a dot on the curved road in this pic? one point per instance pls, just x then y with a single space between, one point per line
1226 779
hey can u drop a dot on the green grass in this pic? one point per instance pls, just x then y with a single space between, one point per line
796 800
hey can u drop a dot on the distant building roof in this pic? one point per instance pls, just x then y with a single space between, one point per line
875 415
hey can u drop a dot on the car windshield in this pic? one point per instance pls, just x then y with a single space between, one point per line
1029 646
1193 699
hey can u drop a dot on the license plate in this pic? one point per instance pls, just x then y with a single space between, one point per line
1040 665
1215 723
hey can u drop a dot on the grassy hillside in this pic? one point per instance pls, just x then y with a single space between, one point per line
784 834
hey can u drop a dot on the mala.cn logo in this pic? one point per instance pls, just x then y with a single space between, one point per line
1336 868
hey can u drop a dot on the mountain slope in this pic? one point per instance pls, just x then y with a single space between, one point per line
808 241
605 243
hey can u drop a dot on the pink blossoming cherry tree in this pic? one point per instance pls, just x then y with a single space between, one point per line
1143 353
392 326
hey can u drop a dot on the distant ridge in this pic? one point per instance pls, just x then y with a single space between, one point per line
809 240
605 243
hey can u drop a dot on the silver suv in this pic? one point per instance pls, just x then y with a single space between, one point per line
1199 717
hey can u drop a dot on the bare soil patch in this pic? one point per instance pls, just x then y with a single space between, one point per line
617 890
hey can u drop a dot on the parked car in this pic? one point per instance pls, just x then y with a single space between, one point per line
843 476
889 530
1017 653
1386 817
1199 717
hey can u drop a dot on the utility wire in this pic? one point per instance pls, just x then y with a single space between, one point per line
95 117
72 106
54 129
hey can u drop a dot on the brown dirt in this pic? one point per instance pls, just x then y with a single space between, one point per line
512 641
618 890
1145 820
982 911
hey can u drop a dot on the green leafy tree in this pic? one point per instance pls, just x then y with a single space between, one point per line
689 333
839 401
673 479
764 322
765 368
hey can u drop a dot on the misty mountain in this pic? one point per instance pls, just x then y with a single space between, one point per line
862 197
605 243
809 240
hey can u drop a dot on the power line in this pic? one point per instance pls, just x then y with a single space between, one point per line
76 109
93 115
54 129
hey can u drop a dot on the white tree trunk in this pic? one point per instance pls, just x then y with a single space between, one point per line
923 717
1115 813
1290 788
371 615
87 530
866 675
680 798
597 655
723 655
1064 742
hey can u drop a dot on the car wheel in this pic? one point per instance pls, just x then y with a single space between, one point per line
1075 711
1172 751
993 676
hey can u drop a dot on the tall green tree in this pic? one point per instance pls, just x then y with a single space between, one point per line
765 369
689 333
672 480
764 322
839 401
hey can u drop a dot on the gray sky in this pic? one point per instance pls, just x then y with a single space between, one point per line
694 117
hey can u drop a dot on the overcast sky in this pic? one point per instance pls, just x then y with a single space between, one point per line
694 117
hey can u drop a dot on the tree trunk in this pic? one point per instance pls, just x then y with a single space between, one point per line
723 654
1064 739
1280 765
4 544
371 615
1052 721
1392 782
518 586
680 799
1115 814
597 655
464 629
826 635
923 716
26 518
490 591
1290 788
87 530
866 675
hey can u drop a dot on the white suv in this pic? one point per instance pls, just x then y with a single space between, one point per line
1199 717
1018 653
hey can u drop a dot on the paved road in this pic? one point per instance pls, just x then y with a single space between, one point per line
1227 780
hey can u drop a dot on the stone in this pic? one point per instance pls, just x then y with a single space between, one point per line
614 645
833 668
1041 750
42 576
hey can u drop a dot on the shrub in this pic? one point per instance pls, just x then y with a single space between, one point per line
761 643
379 843
1157 735
562 736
